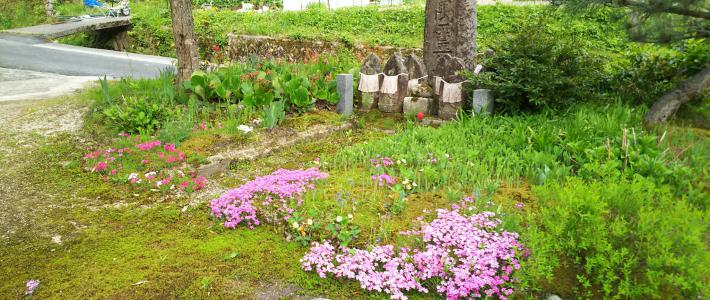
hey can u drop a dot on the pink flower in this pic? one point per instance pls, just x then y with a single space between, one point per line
145 161
383 179
148 145
169 147
100 166
184 184
124 134
467 256
31 286
113 171
277 192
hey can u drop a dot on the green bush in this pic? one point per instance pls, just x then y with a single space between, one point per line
649 72
137 115
627 239
134 106
258 84
21 13
538 68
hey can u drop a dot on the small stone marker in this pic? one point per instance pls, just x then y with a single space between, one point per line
414 105
369 86
482 101
344 83
449 86
394 85
415 67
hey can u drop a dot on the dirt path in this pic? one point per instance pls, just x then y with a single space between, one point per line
29 127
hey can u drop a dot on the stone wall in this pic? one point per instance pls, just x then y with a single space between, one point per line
245 46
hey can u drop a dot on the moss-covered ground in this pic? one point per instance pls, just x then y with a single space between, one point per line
111 241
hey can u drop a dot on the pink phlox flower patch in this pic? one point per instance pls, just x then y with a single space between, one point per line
469 256
275 193
148 145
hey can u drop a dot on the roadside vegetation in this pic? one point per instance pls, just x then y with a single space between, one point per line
562 191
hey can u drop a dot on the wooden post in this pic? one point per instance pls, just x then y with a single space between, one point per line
184 34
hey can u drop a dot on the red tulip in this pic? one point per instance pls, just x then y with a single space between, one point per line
215 48
420 116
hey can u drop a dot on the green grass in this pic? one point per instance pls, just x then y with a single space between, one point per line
397 26
106 250
21 13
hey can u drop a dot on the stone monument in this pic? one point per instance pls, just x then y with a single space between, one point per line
394 85
449 28
449 47
420 96
369 82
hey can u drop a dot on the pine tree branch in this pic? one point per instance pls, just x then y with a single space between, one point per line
687 12
672 10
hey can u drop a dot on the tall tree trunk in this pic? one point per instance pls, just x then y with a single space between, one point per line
667 105
184 35
49 8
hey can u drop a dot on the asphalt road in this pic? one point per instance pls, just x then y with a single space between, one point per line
28 53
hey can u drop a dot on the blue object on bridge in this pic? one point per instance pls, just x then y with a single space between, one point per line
93 3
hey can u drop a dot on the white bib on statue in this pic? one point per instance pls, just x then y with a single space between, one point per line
389 85
451 93
369 83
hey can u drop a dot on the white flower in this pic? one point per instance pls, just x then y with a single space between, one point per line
295 225
309 222
414 184
339 219
256 121
446 155
245 128
159 183
350 216
132 176
150 174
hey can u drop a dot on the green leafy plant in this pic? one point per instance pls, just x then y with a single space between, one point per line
273 114
537 68
137 115
301 229
623 239
343 230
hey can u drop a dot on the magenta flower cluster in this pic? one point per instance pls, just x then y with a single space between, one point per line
382 179
119 164
465 256
272 196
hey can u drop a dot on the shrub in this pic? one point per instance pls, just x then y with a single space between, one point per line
539 68
649 72
628 239
137 115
